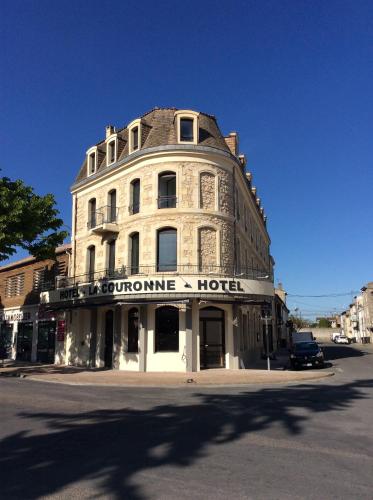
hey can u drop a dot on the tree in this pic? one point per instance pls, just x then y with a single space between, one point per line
28 220
324 323
298 322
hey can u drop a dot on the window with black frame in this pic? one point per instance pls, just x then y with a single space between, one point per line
167 249
135 197
133 330
135 138
134 245
111 258
91 257
112 215
186 130
111 151
92 213
167 190
167 329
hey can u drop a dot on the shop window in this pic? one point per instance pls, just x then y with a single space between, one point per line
167 190
167 329
167 249
133 330
134 245
135 197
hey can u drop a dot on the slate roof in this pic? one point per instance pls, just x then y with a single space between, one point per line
159 129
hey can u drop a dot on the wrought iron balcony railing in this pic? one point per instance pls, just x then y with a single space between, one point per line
152 270
104 215
167 201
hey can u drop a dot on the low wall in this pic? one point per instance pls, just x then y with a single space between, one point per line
321 334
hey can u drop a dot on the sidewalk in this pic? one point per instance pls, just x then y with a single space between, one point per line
100 377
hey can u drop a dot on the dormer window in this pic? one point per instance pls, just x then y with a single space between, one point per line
187 126
91 161
134 135
135 138
186 130
111 151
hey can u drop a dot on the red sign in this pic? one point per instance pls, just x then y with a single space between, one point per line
61 328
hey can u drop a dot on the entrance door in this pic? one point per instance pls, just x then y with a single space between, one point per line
24 341
46 342
109 339
212 338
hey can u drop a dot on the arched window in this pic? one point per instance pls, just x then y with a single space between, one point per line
134 249
133 330
167 329
92 213
112 208
135 197
167 249
91 255
167 190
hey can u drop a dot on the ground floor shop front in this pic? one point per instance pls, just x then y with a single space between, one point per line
27 334
182 335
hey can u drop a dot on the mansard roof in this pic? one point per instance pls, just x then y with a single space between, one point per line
159 129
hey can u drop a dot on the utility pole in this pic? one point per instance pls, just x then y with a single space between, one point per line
266 318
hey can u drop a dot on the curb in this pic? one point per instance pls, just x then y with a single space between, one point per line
178 386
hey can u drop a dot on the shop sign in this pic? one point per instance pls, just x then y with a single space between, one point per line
15 316
177 285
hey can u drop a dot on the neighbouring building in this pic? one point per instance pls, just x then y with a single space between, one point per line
281 317
361 315
27 331
170 266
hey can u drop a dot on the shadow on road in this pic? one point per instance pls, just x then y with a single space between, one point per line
342 351
112 445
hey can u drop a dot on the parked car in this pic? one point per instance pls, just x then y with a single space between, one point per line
306 354
342 339
335 335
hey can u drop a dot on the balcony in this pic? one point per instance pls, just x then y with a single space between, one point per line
187 270
104 220
167 201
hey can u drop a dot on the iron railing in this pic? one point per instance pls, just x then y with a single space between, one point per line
152 270
103 215
167 201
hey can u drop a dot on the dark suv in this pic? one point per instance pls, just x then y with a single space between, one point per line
306 354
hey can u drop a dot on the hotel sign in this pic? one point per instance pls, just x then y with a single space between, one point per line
145 286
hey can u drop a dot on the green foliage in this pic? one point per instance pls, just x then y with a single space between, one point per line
28 220
298 323
324 323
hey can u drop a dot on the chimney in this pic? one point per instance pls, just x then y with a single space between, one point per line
249 176
109 130
258 201
232 142
242 159
253 190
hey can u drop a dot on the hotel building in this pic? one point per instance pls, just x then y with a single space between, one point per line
170 265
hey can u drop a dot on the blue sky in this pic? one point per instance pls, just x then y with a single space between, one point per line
293 78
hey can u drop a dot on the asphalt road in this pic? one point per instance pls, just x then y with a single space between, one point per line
313 440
